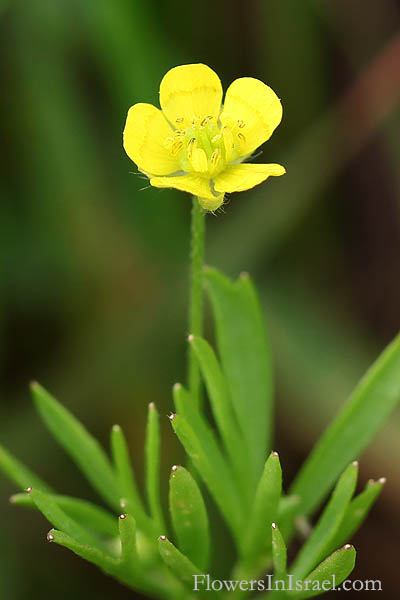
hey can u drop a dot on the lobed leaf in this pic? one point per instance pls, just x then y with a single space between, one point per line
128 491
83 448
21 475
374 398
179 564
330 573
152 451
279 552
318 544
245 359
223 414
265 509
85 513
189 517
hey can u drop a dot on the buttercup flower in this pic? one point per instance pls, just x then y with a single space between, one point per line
197 145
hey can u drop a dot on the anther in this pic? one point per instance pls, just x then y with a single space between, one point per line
206 120
242 139
180 120
216 156
240 123
190 146
176 147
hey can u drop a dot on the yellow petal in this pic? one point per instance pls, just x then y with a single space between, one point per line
144 140
237 178
193 184
190 91
256 107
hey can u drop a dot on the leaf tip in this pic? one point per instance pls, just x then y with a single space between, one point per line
382 480
50 536
274 526
163 538
28 490
348 547
190 338
176 387
244 275
355 463
171 416
123 516
275 454
116 428
174 468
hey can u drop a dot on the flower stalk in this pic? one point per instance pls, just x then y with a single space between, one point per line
196 293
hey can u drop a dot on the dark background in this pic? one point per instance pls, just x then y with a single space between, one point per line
94 271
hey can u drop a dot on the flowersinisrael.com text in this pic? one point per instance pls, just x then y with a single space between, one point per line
204 582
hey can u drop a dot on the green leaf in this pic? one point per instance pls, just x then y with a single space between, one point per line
59 519
128 491
369 406
216 478
21 475
357 512
106 563
279 552
127 532
286 513
265 509
80 445
189 517
330 573
153 467
223 414
245 359
179 564
85 513
318 544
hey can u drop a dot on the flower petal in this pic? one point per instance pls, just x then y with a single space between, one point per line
144 137
255 104
237 178
190 91
191 183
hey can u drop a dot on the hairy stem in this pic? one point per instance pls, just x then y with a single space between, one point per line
196 292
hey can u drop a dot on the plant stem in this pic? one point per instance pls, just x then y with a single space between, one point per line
196 293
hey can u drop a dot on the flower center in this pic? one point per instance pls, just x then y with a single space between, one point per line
205 146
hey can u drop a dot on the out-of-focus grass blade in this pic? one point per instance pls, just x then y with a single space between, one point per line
179 564
333 571
85 513
245 359
189 517
279 552
220 486
80 445
107 563
222 410
265 509
21 475
368 407
59 519
357 512
286 513
153 467
127 532
126 480
318 544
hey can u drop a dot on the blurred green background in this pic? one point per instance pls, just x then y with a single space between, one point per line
94 269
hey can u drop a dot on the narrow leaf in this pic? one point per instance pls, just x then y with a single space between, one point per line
357 512
245 358
189 517
128 491
83 448
224 416
318 544
265 510
105 562
153 467
179 564
221 488
59 519
127 532
85 513
21 475
279 552
329 574
368 407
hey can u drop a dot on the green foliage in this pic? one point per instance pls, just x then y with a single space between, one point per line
261 519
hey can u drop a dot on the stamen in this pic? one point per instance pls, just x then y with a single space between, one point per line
241 123
179 132
216 156
216 138
191 146
178 145
206 120
242 140
180 120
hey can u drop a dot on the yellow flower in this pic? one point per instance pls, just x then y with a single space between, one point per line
198 146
